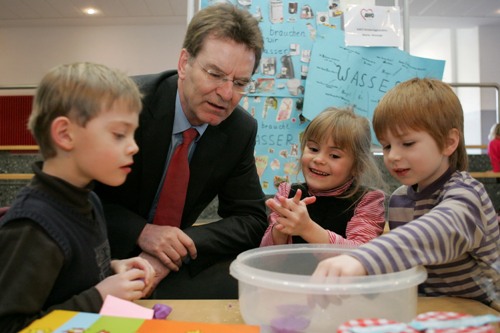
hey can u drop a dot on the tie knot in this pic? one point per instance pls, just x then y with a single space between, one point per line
189 135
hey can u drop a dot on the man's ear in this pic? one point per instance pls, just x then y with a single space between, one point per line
181 65
451 142
61 132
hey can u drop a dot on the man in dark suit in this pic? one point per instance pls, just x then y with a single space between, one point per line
221 51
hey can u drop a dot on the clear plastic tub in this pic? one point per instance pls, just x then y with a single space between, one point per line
276 291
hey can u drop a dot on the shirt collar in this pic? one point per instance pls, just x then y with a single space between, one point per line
181 123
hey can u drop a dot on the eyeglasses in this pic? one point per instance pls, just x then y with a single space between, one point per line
241 86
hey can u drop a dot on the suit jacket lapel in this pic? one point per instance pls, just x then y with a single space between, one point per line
158 123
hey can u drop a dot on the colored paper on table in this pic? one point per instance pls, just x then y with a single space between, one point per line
80 322
60 321
115 324
50 322
171 326
114 306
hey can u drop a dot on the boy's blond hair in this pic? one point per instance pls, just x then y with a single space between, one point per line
352 134
78 91
428 105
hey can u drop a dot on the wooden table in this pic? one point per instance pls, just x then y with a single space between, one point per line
484 174
228 311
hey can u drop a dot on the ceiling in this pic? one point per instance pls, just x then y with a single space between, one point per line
69 12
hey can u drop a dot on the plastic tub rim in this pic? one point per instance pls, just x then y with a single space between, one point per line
301 283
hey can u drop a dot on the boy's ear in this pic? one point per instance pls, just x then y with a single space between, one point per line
60 130
451 142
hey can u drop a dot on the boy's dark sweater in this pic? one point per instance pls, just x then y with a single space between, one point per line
32 260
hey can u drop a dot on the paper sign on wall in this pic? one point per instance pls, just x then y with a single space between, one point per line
359 76
372 26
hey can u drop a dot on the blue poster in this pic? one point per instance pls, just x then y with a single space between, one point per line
306 67
359 76
277 146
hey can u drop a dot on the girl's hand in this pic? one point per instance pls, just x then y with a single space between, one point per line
294 219
276 207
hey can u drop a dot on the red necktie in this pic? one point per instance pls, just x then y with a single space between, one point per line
173 193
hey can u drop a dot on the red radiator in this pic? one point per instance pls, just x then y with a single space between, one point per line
14 114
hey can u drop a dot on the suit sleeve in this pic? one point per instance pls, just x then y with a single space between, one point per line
241 207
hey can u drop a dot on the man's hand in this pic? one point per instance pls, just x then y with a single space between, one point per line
168 244
161 271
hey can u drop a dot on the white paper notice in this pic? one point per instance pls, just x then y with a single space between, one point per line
372 26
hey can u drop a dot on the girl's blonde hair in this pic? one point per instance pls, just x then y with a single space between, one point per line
426 105
352 134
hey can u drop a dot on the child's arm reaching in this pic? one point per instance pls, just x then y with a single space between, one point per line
342 265
328 270
133 279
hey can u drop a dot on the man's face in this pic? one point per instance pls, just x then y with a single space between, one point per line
205 99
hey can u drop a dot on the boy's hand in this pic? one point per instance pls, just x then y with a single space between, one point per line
121 266
330 269
128 285
342 265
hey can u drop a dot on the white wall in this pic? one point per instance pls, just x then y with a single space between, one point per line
489 58
26 54
472 55
489 39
